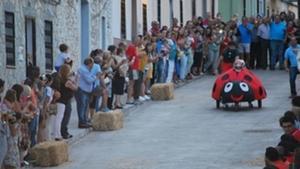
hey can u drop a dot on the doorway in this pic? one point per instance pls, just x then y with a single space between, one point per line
84 30
30 44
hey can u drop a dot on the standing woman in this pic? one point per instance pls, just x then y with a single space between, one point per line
172 57
118 81
12 158
67 88
198 55
181 54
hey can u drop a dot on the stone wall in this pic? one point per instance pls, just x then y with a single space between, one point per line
66 18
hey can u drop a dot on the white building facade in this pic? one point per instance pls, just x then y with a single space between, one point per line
132 17
32 30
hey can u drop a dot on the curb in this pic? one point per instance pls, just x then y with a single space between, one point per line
84 132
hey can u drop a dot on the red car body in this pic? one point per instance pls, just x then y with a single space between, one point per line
241 79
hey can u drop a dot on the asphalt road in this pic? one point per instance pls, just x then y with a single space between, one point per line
189 132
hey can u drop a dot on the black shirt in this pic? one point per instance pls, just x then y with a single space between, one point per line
229 55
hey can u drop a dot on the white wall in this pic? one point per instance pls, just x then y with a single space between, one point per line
176 8
128 20
116 18
165 12
199 10
187 11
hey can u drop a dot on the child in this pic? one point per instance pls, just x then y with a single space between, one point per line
47 97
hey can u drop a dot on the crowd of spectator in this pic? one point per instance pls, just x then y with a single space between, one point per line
39 108
286 154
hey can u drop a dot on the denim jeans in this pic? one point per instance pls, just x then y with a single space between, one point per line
82 103
276 52
97 107
161 70
171 68
66 119
3 142
212 60
177 67
183 67
33 124
293 75
190 61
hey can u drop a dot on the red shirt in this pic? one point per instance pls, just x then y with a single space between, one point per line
281 164
131 54
296 134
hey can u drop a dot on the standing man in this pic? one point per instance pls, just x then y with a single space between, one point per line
135 75
263 33
245 31
291 64
82 95
277 36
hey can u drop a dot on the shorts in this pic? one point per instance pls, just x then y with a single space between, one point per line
244 47
149 73
133 74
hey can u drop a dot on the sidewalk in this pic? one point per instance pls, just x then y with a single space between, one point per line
81 133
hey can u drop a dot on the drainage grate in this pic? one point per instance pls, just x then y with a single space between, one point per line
258 131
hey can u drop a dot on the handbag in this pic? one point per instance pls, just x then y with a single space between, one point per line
97 91
52 110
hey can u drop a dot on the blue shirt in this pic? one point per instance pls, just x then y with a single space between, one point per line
86 79
245 34
96 69
291 55
60 59
264 31
277 31
173 50
159 45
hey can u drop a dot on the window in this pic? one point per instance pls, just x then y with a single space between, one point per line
213 9
181 12
123 19
49 45
145 18
10 39
159 11
103 28
193 8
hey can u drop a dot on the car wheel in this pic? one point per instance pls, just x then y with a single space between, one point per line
259 102
218 104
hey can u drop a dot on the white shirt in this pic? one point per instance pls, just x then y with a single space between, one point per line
60 59
264 31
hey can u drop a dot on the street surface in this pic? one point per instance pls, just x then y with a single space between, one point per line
189 132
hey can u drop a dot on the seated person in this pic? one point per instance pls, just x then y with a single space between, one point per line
273 160
293 115
228 57
288 125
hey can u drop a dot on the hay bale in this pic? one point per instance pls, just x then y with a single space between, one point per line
50 153
162 91
108 121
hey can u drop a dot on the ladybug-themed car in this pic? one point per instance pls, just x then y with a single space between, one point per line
238 85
